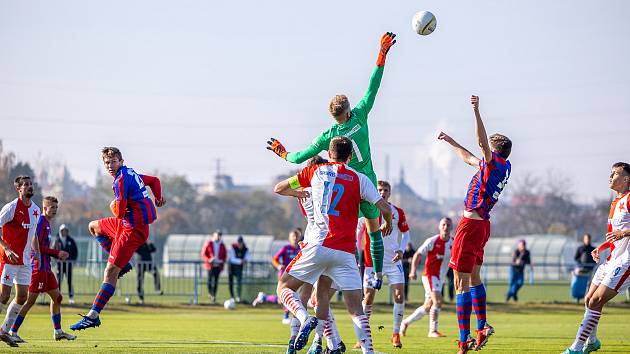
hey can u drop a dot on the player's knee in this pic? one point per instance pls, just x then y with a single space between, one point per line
94 228
58 299
4 298
20 299
398 298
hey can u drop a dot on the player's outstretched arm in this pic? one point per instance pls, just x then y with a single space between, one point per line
364 106
463 154
300 156
482 136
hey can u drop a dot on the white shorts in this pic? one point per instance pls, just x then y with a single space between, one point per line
393 271
614 275
432 284
316 260
16 274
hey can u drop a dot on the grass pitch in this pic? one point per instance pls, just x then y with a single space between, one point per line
522 328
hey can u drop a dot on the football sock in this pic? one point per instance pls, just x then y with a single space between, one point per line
363 332
105 242
319 332
56 320
399 312
17 323
434 313
292 302
367 310
416 315
331 332
377 250
295 326
590 321
101 299
464 309
478 294
12 312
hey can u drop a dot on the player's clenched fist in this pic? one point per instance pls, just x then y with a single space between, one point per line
474 101
387 41
277 147
445 137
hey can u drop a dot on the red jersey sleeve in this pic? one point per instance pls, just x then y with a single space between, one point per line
402 221
306 175
153 183
119 205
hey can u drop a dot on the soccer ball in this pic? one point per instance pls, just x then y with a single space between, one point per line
423 23
229 304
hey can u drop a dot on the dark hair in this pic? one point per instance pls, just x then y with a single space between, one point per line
625 166
384 184
316 160
501 144
19 180
340 148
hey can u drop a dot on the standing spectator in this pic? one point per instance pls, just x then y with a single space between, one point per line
214 255
583 257
64 242
407 255
145 264
520 258
238 255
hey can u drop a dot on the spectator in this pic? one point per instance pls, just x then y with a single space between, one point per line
145 264
520 258
238 255
583 258
214 256
407 255
64 242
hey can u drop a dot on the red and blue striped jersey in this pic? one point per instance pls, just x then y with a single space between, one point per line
134 204
487 184
42 231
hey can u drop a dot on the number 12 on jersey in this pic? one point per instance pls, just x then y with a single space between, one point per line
337 193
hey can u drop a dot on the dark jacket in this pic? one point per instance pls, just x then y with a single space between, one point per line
145 251
70 247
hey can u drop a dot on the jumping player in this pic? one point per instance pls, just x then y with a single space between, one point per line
437 250
392 265
43 279
121 235
353 124
337 191
18 219
473 230
612 277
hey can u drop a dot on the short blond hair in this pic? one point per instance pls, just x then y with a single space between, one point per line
49 199
501 144
338 105
110 151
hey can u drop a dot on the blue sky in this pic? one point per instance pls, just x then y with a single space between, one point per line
179 84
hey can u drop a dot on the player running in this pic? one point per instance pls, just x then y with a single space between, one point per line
121 235
392 264
437 250
473 230
43 279
612 277
337 191
18 219
352 124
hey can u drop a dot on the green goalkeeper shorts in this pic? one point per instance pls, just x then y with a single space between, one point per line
367 209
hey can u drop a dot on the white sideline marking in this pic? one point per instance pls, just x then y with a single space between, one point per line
246 343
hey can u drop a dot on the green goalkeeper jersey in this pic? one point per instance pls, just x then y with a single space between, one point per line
355 128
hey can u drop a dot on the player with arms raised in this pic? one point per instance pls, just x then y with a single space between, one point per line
121 235
473 230
353 124
43 279
612 277
337 191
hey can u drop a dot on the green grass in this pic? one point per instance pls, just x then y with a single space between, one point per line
528 328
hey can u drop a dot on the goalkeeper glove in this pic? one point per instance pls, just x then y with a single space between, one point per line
277 147
387 41
375 283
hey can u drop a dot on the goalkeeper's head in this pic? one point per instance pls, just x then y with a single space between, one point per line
339 108
340 149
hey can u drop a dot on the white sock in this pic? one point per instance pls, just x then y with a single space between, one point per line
319 332
331 332
367 310
291 301
434 313
92 314
57 331
416 315
590 321
294 327
12 311
363 332
399 312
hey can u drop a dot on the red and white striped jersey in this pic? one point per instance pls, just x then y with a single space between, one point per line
619 219
18 229
438 253
396 241
336 192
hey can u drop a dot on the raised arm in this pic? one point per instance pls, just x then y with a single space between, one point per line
463 154
320 143
482 136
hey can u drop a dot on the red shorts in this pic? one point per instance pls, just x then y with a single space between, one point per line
125 239
43 282
470 239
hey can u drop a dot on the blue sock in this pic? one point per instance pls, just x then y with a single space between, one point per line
101 299
56 320
479 304
464 309
105 242
17 323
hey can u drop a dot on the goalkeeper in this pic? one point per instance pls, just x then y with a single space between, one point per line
352 123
